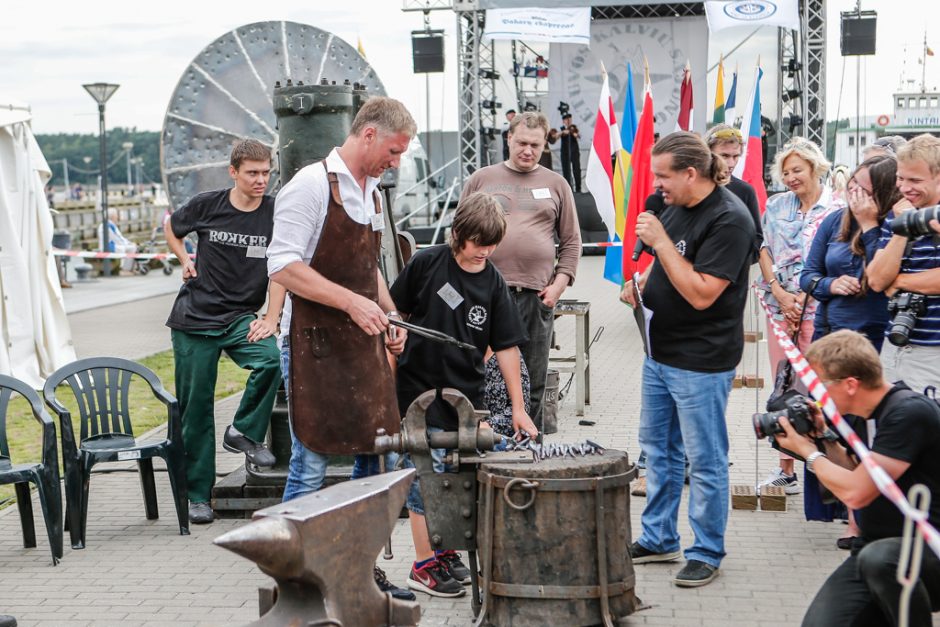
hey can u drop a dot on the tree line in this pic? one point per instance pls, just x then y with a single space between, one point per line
74 148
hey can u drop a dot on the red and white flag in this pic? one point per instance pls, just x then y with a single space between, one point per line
686 108
605 147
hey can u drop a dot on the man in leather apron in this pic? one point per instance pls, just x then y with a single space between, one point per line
327 229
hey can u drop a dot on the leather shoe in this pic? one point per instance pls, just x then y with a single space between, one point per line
200 513
236 442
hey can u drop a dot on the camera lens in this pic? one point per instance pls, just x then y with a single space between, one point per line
899 333
914 223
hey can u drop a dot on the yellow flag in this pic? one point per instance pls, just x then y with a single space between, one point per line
359 47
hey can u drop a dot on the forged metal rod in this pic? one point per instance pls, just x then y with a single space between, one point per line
431 334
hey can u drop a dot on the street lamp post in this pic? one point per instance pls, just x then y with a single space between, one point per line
101 92
128 146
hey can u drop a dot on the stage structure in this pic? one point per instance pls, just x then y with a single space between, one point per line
804 52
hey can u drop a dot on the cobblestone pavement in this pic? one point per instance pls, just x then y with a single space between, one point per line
141 572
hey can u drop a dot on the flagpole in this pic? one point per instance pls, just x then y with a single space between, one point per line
923 67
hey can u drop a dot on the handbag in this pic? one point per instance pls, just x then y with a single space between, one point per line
786 383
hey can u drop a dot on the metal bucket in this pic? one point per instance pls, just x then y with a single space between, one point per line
550 402
554 541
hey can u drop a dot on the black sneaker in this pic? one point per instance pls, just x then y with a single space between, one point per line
387 586
236 442
200 513
695 573
457 569
434 579
642 555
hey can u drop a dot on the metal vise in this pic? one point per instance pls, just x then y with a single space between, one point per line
321 555
450 497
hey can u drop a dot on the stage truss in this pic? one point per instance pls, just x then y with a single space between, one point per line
477 78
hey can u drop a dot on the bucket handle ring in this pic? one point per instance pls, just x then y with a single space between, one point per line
525 484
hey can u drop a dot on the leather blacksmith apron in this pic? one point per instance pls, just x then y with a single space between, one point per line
341 385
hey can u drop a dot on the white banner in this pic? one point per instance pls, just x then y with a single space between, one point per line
667 43
724 14
559 26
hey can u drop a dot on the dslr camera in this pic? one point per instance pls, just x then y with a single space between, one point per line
563 108
796 411
906 307
913 224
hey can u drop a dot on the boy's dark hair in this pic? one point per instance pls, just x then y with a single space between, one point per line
479 219
249 150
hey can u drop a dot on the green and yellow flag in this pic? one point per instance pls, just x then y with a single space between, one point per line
719 116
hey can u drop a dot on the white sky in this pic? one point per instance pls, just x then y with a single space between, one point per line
51 48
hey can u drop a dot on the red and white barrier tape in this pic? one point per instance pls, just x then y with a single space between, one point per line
583 245
94 254
882 480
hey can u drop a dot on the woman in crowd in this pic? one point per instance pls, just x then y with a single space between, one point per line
846 241
835 268
789 224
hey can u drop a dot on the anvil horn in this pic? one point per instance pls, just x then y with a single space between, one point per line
272 543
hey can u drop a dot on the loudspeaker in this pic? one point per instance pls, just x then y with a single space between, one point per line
427 52
858 33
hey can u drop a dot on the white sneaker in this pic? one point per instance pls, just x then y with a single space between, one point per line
778 478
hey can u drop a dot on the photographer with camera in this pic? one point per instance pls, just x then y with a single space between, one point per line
864 588
570 149
907 268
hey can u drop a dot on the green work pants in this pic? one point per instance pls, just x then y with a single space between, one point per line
196 355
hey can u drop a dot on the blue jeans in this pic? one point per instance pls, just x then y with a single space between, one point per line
685 407
307 469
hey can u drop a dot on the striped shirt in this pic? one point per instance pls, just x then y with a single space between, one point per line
924 255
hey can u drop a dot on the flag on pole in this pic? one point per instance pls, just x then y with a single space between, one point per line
684 121
623 172
360 49
719 115
605 147
750 167
732 97
722 14
641 184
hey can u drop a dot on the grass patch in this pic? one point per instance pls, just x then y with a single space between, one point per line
25 433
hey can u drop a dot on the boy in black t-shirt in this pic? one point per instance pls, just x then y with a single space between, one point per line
215 312
907 437
455 289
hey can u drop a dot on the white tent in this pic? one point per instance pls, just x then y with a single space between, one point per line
34 332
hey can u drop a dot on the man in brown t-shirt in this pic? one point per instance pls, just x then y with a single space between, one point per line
539 207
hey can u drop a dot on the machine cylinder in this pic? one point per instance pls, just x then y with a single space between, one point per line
311 121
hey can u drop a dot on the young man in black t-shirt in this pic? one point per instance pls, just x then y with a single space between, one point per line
696 289
454 289
864 588
215 312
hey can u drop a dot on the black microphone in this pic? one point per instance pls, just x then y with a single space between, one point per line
654 204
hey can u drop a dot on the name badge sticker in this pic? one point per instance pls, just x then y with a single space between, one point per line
541 193
378 222
256 252
450 296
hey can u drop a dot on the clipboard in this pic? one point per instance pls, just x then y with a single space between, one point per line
642 315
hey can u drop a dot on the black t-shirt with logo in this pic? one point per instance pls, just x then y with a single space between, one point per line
908 429
473 307
231 267
717 237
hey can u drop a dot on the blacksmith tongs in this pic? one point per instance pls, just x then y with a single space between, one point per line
431 334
